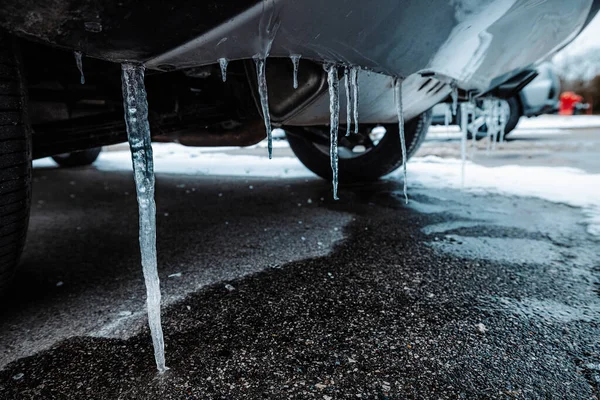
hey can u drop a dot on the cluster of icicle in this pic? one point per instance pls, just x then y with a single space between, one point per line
352 91
138 133
493 114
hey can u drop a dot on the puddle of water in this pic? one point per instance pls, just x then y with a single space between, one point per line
518 251
550 310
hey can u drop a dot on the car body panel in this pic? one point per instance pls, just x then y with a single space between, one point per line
467 40
474 44
541 96
376 100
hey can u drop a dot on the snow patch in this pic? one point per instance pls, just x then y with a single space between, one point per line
568 186
209 164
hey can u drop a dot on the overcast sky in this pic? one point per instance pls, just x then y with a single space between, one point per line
586 41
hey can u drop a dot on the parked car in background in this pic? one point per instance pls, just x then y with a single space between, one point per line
540 96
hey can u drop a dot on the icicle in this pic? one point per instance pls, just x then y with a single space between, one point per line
223 63
473 126
264 100
296 61
138 133
496 119
354 85
399 111
447 118
348 101
79 63
464 122
504 111
454 96
334 110
489 122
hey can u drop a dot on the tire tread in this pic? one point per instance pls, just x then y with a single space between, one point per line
15 161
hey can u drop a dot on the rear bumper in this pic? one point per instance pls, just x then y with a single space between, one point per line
471 42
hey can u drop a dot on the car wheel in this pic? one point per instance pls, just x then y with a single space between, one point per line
77 158
363 157
15 160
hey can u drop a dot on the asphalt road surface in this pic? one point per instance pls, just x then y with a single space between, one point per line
273 290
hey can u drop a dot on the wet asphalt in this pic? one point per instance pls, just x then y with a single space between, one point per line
275 291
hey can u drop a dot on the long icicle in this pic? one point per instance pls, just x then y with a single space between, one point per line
334 115
463 140
79 62
503 119
138 133
354 84
399 111
264 100
474 126
348 100
488 118
495 119
296 62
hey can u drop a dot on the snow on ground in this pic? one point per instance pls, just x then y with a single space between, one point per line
559 185
171 158
560 122
568 186
542 125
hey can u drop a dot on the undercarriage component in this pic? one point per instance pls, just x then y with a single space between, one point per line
376 100
103 130
193 107
285 101
77 134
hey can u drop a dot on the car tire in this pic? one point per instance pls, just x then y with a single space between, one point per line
15 160
515 115
382 159
78 158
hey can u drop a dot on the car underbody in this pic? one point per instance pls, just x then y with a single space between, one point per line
432 46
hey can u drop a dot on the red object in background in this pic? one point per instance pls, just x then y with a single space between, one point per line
568 100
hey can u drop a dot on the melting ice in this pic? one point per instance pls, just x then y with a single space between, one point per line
348 101
334 110
296 61
138 134
268 25
454 96
504 113
399 111
464 107
264 100
223 64
354 85
79 63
